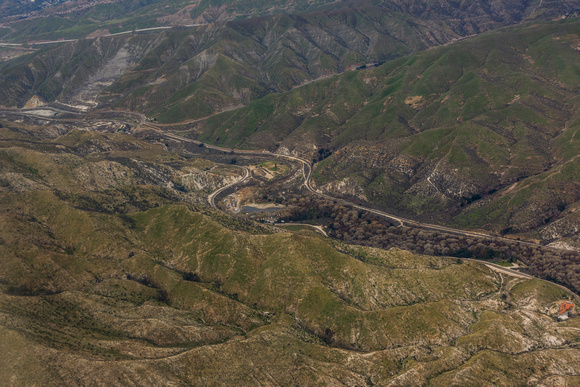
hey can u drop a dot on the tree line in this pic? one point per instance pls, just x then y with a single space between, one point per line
361 227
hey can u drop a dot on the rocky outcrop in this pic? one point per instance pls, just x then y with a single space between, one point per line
404 165
103 175
16 182
564 232
199 180
34 102
347 186
564 227
85 96
444 180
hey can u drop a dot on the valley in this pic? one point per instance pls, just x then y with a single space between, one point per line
290 192
424 165
303 167
107 238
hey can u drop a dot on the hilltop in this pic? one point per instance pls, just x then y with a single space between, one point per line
57 19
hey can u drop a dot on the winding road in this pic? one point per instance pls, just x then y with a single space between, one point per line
212 196
307 174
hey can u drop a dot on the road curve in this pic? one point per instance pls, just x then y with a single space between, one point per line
505 270
307 174
318 229
212 196
518 274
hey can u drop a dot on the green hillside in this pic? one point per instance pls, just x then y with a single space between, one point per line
44 20
132 256
480 133
111 274
191 72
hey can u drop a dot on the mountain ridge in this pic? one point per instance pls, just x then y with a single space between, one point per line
131 279
271 53
412 117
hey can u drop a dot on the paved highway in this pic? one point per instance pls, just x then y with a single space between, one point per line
212 196
306 171
307 174
3 44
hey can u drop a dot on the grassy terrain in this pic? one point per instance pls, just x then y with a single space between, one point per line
478 134
241 51
131 279
275 168
47 24
115 270
481 133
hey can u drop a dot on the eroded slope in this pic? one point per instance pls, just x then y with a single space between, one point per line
481 133
132 283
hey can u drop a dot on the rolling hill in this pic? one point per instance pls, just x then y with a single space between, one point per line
114 270
110 275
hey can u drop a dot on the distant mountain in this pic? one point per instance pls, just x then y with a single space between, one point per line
75 16
54 19
190 73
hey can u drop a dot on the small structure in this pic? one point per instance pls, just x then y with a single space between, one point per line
565 308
